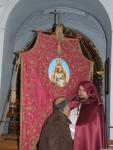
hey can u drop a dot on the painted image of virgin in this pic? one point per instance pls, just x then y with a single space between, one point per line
59 72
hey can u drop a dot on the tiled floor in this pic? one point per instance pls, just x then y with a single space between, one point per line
11 143
110 142
8 143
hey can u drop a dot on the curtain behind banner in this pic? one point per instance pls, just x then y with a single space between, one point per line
37 91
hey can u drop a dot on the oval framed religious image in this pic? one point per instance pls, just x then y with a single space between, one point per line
59 72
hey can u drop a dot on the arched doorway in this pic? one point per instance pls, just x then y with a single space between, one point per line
15 21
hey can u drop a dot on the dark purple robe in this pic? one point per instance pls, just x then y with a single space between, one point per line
90 131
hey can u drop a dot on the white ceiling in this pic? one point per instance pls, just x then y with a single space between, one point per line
87 16
71 18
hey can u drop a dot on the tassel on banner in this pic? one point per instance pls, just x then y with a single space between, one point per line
13 96
12 102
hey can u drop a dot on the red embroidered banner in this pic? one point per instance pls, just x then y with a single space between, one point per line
39 87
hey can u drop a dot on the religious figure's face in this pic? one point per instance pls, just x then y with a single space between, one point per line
82 93
59 69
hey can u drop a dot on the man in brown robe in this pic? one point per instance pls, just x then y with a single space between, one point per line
55 134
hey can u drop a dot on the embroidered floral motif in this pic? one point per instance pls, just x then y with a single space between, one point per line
38 92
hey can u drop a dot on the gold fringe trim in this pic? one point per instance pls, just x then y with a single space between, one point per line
21 94
91 71
13 91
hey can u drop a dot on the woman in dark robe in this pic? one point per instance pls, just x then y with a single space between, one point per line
90 132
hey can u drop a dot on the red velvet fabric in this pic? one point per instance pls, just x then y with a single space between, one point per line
37 92
90 132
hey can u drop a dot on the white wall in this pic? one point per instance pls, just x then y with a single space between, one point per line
6 6
109 8
1 48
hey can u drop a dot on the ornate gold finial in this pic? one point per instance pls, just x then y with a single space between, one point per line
59 32
59 37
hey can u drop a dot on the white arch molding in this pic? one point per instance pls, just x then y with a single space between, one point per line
108 7
7 46
4 5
